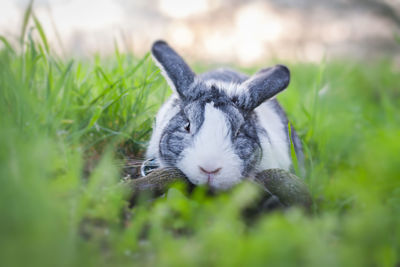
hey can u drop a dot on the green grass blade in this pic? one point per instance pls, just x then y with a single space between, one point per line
25 22
41 33
295 161
7 44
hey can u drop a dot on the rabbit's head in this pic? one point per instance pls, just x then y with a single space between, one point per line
213 136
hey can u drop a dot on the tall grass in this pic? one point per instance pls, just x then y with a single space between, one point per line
57 115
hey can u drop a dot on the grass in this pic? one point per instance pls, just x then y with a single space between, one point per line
67 125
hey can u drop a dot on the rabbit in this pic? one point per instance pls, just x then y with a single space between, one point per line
220 126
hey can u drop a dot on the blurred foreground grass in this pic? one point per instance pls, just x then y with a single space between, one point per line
67 125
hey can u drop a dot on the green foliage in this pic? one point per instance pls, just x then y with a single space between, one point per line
59 116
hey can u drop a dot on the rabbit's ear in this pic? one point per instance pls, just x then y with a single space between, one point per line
263 85
174 69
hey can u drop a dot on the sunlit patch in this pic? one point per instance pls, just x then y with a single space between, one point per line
314 52
219 44
245 32
256 21
9 15
183 8
85 15
181 34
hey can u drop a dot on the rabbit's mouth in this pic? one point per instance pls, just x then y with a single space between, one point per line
206 179
214 181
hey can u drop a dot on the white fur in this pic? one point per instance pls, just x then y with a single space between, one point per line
212 149
229 87
275 149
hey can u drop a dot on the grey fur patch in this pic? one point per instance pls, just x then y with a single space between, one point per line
263 85
247 145
174 139
195 113
175 67
225 75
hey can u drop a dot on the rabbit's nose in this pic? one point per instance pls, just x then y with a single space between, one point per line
208 171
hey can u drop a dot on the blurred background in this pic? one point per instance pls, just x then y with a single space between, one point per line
70 125
235 31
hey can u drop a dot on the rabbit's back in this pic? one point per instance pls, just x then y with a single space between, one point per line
224 75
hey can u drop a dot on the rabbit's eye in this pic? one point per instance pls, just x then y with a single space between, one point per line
187 127
237 132
235 100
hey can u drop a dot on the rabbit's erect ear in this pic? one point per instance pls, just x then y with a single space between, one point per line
263 85
177 73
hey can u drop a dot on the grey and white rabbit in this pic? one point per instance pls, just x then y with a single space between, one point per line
220 126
